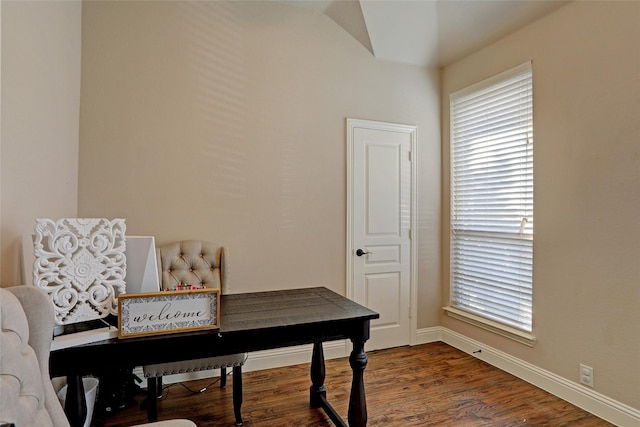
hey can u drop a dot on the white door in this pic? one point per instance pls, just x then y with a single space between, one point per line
381 206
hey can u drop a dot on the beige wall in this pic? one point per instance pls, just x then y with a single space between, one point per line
586 65
226 121
250 100
40 119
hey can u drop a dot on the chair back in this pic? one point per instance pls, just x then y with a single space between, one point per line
192 262
27 397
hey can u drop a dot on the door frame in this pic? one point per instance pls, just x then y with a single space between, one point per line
353 124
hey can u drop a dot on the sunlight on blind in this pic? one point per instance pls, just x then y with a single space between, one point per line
492 198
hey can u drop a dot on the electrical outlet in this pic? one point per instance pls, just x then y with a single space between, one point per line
586 375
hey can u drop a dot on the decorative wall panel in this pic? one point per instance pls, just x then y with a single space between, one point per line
81 264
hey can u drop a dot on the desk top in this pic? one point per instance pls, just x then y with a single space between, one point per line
275 309
248 322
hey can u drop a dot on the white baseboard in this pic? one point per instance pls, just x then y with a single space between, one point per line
427 335
591 401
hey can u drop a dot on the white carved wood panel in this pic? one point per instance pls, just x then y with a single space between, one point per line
81 264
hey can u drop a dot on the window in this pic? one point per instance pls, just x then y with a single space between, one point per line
492 203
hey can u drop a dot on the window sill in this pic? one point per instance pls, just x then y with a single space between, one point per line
491 326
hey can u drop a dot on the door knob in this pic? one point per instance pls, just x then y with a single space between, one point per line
360 252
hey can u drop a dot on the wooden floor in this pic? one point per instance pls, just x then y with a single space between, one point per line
426 385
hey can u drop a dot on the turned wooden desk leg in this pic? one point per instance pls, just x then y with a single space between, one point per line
75 406
318 391
154 391
237 394
357 415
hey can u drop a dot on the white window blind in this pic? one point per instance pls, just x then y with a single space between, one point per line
492 199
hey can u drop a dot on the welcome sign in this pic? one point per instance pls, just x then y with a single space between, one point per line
168 312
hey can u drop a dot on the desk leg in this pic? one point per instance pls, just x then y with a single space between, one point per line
318 391
154 392
357 415
75 406
237 394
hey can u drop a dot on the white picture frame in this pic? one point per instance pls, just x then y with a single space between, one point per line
168 312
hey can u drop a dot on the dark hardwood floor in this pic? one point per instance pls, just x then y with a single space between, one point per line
426 385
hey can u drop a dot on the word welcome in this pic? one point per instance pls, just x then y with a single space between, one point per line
166 313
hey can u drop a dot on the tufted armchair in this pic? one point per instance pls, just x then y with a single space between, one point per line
27 396
194 262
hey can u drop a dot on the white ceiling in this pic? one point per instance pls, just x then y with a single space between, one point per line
429 33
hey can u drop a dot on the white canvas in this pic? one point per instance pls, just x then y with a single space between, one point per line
142 266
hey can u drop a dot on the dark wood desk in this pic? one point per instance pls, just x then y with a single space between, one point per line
248 322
